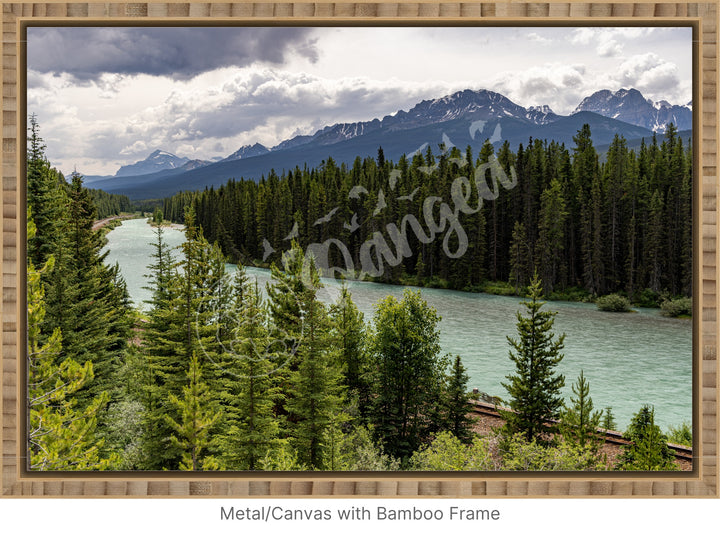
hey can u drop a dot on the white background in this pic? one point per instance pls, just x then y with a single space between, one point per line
195 516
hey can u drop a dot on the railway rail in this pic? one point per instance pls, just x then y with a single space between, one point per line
682 453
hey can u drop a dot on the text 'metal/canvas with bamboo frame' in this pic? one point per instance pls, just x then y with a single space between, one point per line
701 481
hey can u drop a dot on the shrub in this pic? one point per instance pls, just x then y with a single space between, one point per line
647 298
447 452
498 288
576 294
613 303
673 308
648 449
519 454
680 435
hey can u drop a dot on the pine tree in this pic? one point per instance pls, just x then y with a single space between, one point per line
197 414
249 389
47 200
410 372
182 323
579 422
315 384
93 313
535 387
457 399
349 335
608 419
586 206
519 268
61 435
552 235
654 251
648 449
161 271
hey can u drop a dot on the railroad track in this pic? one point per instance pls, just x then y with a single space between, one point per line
611 437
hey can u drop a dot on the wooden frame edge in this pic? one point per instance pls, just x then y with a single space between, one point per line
701 482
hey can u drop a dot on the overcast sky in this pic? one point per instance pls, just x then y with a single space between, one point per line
106 97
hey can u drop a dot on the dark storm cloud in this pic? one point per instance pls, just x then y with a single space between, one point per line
181 53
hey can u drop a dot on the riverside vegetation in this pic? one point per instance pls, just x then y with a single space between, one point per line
219 375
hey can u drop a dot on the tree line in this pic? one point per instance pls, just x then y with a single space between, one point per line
589 228
222 374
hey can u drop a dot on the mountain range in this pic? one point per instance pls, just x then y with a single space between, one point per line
464 118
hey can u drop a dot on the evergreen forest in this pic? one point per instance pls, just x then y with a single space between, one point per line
219 374
589 228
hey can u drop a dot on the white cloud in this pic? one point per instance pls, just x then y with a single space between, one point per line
134 149
357 74
653 76
536 38
199 119
559 85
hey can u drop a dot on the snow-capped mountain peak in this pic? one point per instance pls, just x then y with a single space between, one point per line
248 151
630 106
158 160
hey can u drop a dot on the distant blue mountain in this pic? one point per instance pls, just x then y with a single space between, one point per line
461 119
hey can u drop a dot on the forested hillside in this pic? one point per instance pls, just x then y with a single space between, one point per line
588 228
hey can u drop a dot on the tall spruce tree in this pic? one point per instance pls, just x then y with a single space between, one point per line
648 449
314 384
457 407
349 336
519 268
410 373
61 434
183 322
579 423
197 413
249 390
535 386
552 235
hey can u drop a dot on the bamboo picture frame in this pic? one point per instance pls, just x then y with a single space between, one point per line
702 481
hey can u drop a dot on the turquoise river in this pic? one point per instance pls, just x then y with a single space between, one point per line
629 359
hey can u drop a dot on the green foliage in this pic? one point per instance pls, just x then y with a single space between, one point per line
520 454
109 204
570 294
314 389
282 457
623 225
357 451
198 413
579 423
123 432
613 303
499 288
681 434
182 323
674 308
648 449
608 419
84 325
349 336
249 389
457 410
447 453
648 298
551 238
410 372
535 386
519 262
61 434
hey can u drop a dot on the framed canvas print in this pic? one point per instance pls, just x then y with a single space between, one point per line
359 249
